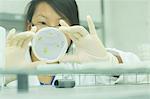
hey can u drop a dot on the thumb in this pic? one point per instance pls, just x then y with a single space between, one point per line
34 29
70 58
63 23
65 29
34 65
11 34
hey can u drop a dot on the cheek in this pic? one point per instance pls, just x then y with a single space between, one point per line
40 27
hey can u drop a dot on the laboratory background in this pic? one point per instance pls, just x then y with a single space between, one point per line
121 24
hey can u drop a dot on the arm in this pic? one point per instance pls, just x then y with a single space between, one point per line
16 47
89 47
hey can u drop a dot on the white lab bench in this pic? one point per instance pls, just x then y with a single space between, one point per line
95 92
141 91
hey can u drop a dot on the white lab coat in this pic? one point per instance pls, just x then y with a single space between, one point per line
33 80
127 57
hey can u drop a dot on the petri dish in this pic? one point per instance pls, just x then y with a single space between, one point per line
49 44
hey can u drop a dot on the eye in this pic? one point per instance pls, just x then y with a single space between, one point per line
57 26
33 24
43 23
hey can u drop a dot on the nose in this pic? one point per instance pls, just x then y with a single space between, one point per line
40 27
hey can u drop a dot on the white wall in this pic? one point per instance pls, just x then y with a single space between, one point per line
90 7
87 7
13 6
127 23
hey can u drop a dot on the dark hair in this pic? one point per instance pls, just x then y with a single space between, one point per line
67 9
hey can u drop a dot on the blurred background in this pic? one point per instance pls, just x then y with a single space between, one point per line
121 24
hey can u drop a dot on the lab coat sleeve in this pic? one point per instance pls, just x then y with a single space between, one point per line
32 80
131 58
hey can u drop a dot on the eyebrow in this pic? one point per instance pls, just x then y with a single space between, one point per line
42 16
61 18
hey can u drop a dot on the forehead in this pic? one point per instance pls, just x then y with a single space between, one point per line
44 9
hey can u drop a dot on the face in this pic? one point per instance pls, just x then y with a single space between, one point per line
46 16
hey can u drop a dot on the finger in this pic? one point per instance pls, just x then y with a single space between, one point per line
24 35
11 33
63 23
70 58
66 31
26 42
34 29
21 37
91 25
16 41
34 65
10 36
19 43
74 29
22 41
79 29
73 38
76 35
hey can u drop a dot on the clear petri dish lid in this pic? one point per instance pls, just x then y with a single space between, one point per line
49 44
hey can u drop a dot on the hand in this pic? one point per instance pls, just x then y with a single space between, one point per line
86 43
16 47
